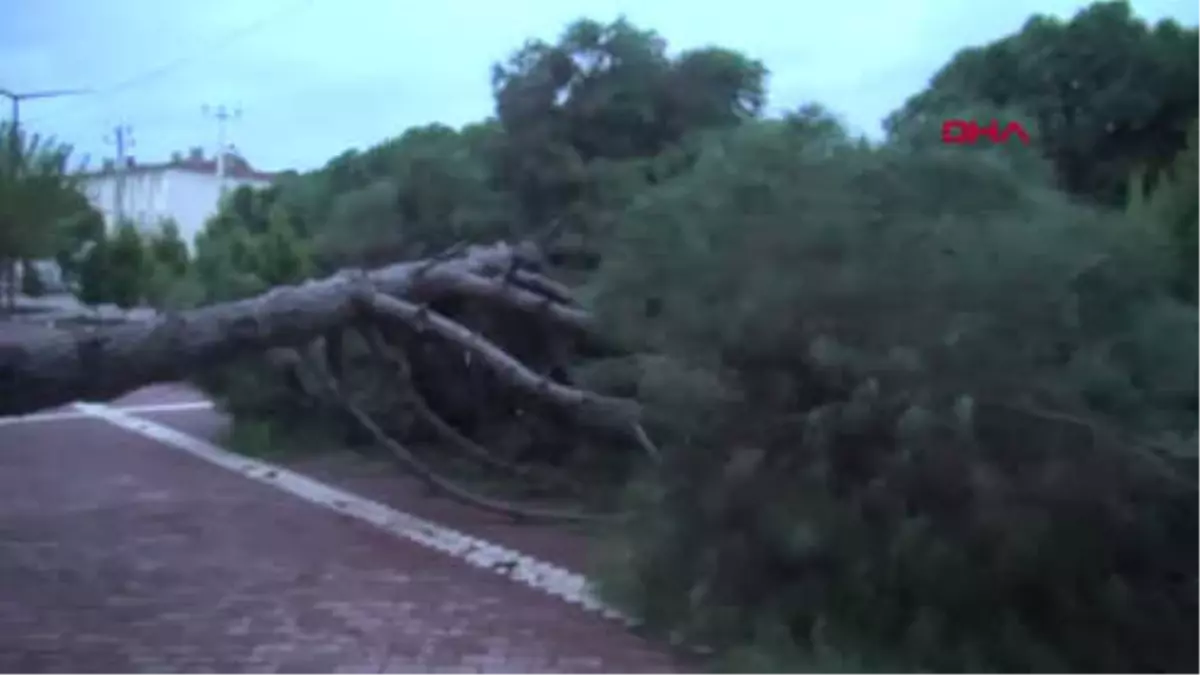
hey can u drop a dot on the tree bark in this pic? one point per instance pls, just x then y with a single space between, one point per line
37 373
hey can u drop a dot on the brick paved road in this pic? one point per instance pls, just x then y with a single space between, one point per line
120 555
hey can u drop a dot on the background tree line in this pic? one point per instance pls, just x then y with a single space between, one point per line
920 407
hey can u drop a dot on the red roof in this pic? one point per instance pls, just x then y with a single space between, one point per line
235 167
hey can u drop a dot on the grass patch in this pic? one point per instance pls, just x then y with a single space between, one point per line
268 439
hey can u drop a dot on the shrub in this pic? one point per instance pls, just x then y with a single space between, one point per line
127 267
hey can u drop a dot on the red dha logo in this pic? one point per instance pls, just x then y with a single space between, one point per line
967 132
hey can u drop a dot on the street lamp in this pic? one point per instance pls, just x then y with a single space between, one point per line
16 98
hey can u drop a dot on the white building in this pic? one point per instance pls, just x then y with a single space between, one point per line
185 189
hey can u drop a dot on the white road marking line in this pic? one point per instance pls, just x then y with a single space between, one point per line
536 574
133 409
165 407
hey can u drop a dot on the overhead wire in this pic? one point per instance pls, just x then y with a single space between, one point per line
177 63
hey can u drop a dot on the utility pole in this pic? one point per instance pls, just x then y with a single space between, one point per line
122 138
8 266
223 116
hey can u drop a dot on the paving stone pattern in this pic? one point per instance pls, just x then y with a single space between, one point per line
117 555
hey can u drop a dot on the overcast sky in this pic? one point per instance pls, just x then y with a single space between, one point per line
315 77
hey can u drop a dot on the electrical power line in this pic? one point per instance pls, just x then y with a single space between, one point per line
171 66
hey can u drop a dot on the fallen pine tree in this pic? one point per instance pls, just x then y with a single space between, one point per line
36 373
301 330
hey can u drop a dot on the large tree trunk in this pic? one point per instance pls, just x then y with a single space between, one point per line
39 373
36 374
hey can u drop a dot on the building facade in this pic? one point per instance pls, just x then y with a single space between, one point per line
186 190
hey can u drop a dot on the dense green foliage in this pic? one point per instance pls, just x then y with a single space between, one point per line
1169 210
880 463
922 407
250 246
576 122
607 94
40 205
1110 94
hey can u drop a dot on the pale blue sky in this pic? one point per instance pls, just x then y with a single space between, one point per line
321 76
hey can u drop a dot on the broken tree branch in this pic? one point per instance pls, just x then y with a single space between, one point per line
543 285
594 410
399 364
495 290
409 462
